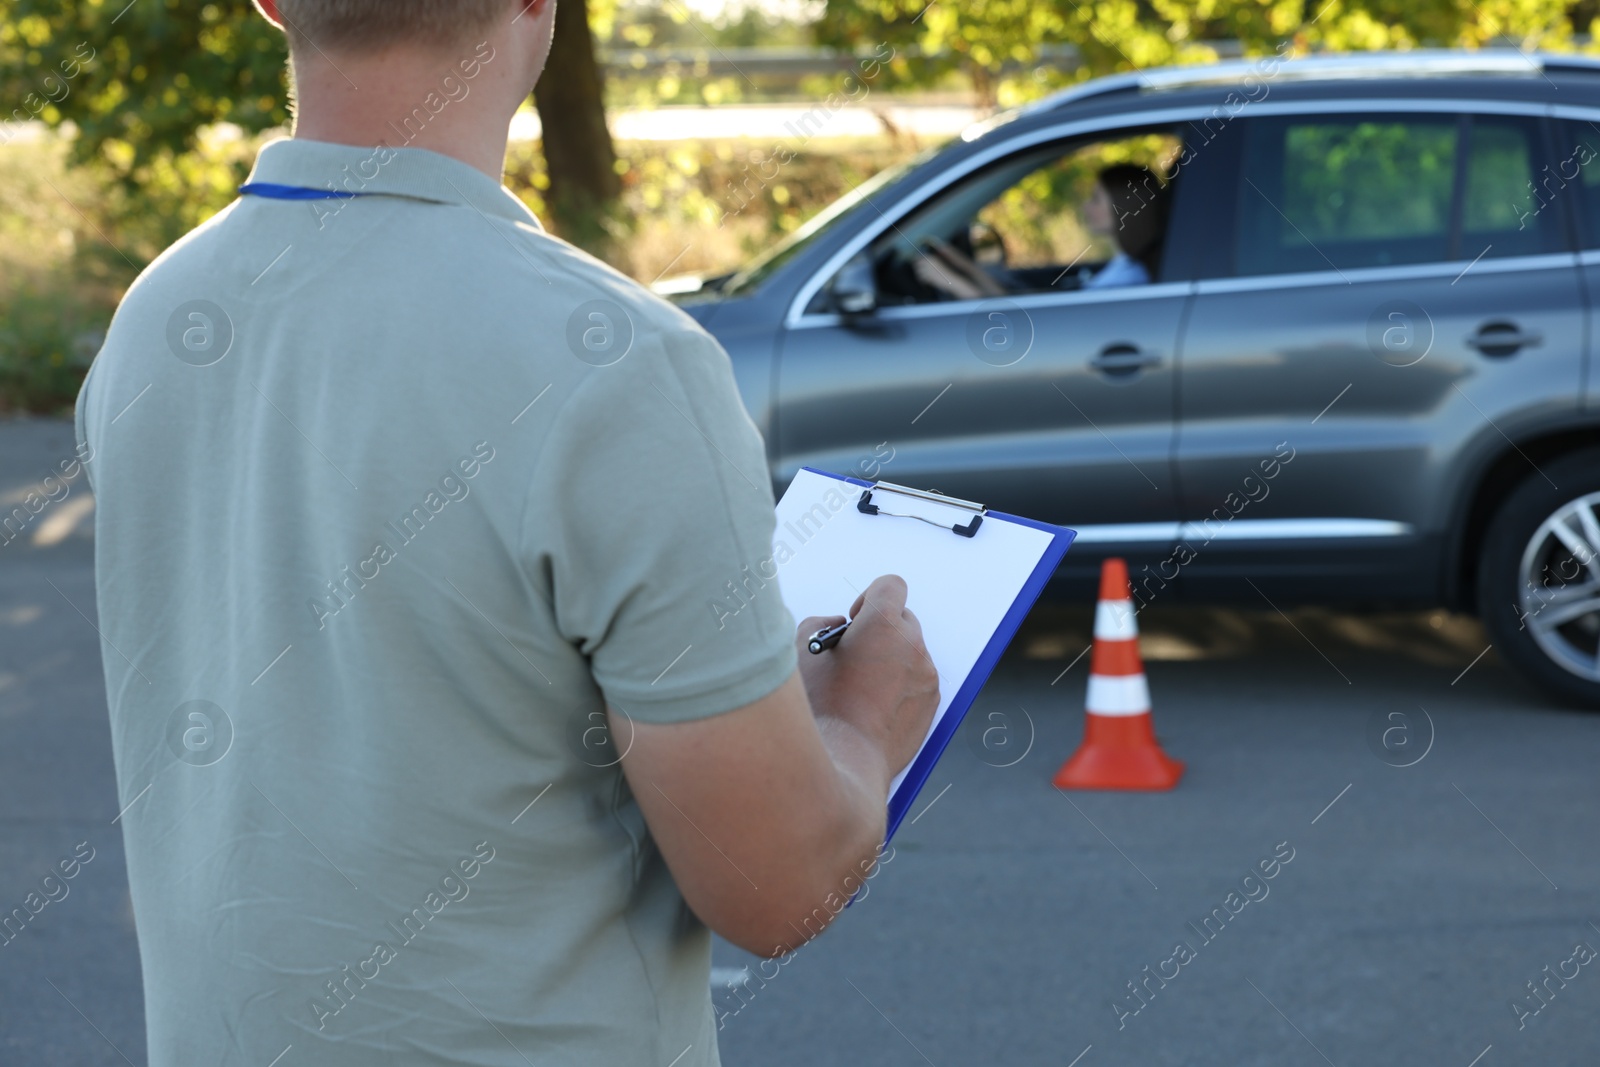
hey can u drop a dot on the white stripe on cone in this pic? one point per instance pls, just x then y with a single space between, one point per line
1126 694
1115 620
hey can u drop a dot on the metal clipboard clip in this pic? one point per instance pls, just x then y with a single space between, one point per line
867 507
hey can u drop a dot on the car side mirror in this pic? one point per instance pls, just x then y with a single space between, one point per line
854 290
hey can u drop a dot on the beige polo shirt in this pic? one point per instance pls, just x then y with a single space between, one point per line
394 493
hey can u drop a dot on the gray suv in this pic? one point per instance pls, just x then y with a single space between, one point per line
1333 346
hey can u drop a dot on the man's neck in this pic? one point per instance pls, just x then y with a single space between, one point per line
408 98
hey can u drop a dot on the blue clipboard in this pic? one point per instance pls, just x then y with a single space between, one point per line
928 757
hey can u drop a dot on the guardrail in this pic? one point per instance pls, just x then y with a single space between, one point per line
799 62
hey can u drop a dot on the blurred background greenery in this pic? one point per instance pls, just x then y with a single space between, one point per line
123 125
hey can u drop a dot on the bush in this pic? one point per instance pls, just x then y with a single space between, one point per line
48 336
706 207
58 287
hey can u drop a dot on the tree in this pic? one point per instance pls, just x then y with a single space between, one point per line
579 156
140 82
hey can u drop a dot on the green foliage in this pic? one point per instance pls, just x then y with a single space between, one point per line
623 28
992 40
48 335
648 24
59 280
150 74
152 92
138 80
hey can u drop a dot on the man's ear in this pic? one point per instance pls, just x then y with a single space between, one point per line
269 8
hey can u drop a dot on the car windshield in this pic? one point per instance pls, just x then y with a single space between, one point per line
764 265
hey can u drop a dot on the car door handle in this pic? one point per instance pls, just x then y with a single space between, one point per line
1502 339
1121 360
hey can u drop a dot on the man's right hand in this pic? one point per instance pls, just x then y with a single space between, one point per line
770 816
879 678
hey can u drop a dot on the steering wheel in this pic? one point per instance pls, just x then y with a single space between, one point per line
986 246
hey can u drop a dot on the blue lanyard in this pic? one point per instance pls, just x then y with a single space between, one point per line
273 191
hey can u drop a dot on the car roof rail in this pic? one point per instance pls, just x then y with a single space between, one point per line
1420 62
1327 66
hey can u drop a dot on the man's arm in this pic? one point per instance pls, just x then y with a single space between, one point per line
769 816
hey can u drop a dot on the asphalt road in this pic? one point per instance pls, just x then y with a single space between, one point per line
1010 918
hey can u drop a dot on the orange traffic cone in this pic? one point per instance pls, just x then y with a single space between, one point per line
1119 749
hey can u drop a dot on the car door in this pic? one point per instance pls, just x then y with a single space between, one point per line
1385 289
1575 179
1052 400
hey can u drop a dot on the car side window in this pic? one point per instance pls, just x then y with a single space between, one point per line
1578 169
1337 192
1498 197
1065 216
1499 215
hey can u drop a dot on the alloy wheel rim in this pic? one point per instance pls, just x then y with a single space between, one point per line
1558 587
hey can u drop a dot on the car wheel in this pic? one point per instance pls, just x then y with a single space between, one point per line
1539 578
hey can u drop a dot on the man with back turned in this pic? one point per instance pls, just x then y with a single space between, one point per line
408 517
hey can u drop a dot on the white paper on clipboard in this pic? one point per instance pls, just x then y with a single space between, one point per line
959 588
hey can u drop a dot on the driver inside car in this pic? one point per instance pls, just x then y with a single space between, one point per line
1127 207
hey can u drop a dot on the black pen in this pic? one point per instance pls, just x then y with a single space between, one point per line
826 638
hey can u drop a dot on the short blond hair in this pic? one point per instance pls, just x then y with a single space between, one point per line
368 24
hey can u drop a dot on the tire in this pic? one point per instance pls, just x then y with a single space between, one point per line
1539 578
